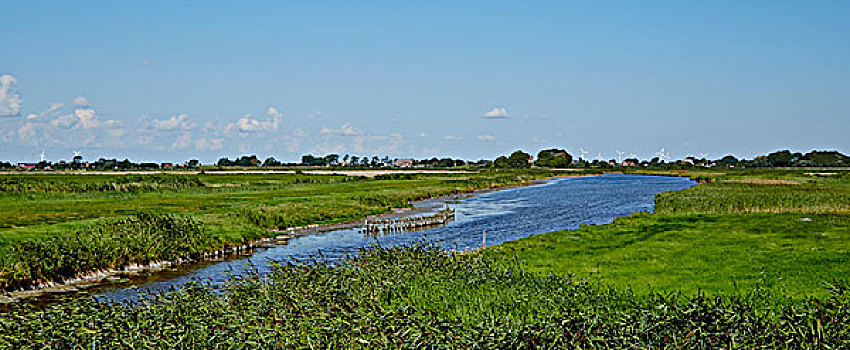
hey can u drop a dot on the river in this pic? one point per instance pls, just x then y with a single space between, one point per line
506 215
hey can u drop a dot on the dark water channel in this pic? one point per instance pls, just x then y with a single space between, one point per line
506 215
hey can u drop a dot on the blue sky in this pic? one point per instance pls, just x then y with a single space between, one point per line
173 81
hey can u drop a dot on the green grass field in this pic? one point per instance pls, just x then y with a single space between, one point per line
782 230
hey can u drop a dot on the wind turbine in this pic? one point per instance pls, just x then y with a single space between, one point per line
583 152
42 157
620 156
599 156
78 154
633 156
703 155
662 155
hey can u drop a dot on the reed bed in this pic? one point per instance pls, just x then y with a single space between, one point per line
88 184
728 197
140 239
425 298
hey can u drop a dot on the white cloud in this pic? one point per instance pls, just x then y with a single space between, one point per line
486 138
298 132
82 118
452 138
54 107
424 134
10 100
345 130
315 114
208 144
64 121
80 101
246 124
182 142
26 131
175 122
86 118
272 112
497 113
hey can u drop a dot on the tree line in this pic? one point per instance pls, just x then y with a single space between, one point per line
547 158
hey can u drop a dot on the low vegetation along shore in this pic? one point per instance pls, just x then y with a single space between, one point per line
748 259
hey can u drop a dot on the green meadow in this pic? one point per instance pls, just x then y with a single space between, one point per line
788 231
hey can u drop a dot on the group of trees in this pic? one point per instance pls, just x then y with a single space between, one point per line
243 161
101 164
547 158
786 158
346 160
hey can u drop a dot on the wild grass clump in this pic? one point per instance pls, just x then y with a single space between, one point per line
87 184
140 239
778 197
423 297
303 214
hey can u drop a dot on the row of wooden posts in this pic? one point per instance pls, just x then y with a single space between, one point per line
375 226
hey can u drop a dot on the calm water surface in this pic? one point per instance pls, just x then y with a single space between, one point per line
506 215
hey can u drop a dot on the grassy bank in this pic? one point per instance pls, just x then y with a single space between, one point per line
425 298
54 227
788 231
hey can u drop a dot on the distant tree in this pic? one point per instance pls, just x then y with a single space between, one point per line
516 160
655 161
355 159
780 159
223 161
332 159
193 163
501 162
729 160
270 161
125 164
553 158
826 159
247 161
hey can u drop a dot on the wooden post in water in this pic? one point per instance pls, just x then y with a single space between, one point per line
484 239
